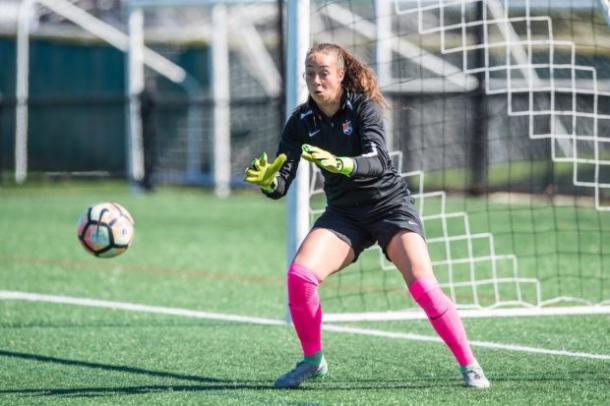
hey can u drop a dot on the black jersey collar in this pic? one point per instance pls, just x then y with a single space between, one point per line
346 103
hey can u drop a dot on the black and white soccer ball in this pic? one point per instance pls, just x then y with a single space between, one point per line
106 230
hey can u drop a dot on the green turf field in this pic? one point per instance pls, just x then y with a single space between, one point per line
193 251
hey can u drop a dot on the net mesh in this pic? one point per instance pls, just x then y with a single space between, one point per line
500 125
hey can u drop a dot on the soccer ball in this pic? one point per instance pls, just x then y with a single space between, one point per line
105 230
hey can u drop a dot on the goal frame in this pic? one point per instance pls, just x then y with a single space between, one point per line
467 81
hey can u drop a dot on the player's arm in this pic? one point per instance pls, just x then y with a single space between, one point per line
328 161
374 159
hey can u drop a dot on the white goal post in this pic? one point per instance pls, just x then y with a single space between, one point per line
102 30
236 22
525 296
229 21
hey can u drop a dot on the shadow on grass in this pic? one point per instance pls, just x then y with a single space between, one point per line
145 389
209 383
201 383
131 390
107 367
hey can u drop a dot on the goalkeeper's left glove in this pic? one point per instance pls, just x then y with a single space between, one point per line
263 173
328 161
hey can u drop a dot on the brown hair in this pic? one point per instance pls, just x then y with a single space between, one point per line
358 76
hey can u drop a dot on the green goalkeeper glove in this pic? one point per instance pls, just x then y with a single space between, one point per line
328 161
262 173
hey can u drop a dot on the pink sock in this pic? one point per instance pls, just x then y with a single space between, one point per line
305 309
443 317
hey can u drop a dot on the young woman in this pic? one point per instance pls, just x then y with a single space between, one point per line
340 129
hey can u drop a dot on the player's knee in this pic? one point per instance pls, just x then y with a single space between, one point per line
435 303
302 284
430 297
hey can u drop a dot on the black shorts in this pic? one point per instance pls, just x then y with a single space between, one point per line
361 227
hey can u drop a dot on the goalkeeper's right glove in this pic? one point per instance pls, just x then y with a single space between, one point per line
262 173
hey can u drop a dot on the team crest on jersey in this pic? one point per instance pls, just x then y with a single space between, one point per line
347 128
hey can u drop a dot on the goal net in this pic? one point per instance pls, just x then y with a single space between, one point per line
500 123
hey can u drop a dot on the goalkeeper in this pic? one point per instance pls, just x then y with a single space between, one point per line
340 129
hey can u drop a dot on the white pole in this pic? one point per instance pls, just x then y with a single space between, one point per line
296 92
22 90
383 32
383 36
194 137
96 27
221 95
135 148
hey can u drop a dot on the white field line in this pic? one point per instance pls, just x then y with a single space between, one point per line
34 297
484 344
417 314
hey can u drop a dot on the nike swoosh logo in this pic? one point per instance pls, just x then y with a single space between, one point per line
311 134
308 112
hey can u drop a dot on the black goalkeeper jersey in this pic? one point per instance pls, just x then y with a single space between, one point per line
356 131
